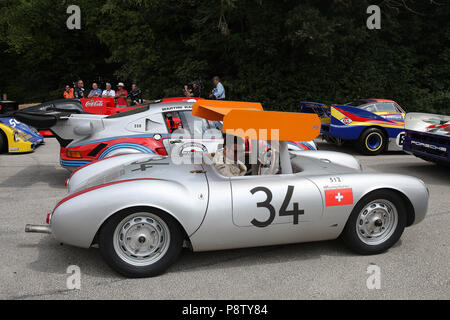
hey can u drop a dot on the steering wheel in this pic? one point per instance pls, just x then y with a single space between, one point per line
268 162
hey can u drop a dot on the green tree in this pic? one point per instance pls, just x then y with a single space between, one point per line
276 52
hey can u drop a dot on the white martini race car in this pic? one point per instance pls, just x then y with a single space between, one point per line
152 129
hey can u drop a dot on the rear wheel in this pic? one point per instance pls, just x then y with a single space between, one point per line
137 243
372 141
376 223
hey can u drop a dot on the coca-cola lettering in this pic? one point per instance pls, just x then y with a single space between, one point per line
98 103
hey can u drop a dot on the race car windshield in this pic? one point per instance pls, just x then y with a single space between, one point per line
193 124
356 103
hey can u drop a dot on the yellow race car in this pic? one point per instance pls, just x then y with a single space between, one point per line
16 137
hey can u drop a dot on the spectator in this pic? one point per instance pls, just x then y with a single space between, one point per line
135 95
95 92
108 92
121 95
79 90
192 90
186 89
195 89
219 90
68 93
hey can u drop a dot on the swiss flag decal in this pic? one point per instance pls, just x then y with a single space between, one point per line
338 197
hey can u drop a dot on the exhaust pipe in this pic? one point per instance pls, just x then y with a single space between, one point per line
34 228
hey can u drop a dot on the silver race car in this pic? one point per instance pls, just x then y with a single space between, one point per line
142 209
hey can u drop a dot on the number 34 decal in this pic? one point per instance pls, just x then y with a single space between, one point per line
283 210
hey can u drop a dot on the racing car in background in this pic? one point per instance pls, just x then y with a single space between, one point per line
17 137
104 106
376 125
427 136
8 106
150 129
126 206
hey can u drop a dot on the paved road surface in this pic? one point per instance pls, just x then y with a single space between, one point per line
33 266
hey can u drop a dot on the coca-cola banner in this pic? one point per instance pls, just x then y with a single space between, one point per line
98 102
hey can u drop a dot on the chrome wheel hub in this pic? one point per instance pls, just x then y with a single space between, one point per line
141 239
376 222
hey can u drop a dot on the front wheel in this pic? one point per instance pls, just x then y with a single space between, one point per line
372 141
138 243
376 223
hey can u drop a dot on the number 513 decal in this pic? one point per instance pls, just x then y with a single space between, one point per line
283 210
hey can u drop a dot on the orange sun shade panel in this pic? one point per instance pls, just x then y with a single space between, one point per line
269 125
248 120
215 110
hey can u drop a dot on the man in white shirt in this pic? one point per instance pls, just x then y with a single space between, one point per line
219 91
226 160
108 92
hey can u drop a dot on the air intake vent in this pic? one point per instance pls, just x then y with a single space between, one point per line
97 149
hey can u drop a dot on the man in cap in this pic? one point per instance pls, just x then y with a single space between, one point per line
121 95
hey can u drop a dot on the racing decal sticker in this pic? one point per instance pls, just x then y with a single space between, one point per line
172 108
338 197
295 213
400 139
428 146
437 124
346 120
144 165
13 123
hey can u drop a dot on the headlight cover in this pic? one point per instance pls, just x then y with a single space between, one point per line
16 136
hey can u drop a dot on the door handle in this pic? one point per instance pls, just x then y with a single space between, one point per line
198 171
175 141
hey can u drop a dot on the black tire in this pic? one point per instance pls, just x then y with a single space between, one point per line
3 142
350 234
372 141
114 260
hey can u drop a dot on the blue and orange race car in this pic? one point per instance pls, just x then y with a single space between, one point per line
375 125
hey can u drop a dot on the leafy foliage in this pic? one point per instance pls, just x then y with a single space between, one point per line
276 52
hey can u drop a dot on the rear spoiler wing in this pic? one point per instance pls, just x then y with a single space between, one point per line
249 120
38 120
